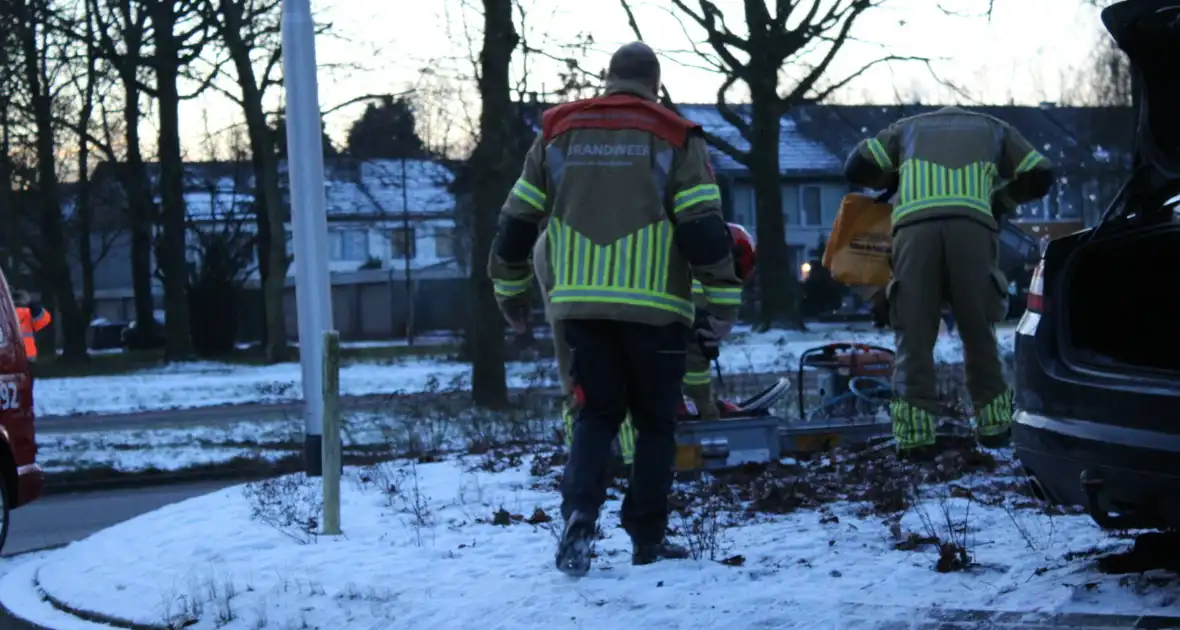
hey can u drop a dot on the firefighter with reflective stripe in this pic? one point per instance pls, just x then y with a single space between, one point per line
33 319
561 351
953 171
698 379
633 215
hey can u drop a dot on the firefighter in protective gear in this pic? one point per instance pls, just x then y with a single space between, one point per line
33 319
698 380
953 169
633 215
561 352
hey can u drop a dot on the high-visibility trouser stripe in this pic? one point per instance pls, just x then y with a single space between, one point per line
723 296
636 261
567 416
626 434
1030 161
697 378
512 288
686 199
995 417
630 297
698 288
880 155
912 426
529 194
627 440
924 184
27 335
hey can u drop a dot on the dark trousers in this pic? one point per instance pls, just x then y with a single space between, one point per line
621 366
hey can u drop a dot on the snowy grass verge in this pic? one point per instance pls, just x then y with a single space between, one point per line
438 423
469 542
204 384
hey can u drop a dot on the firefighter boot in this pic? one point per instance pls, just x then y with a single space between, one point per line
648 553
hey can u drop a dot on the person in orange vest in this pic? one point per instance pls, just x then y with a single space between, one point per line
33 318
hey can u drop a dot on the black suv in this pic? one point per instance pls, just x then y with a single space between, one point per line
1098 351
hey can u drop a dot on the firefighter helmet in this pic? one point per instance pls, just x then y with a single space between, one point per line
745 255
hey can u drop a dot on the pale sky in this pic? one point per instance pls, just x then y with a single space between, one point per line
1021 55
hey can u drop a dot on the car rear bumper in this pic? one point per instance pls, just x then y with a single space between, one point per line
1131 472
30 484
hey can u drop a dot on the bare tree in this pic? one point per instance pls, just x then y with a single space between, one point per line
250 31
179 37
770 46
494 169
40 49
122 36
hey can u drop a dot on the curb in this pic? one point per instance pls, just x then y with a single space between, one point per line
254 470
87 615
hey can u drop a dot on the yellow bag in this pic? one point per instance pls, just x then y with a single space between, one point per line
862 239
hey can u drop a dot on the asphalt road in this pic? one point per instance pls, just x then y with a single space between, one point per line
64 518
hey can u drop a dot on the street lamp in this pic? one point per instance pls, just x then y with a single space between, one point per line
309 222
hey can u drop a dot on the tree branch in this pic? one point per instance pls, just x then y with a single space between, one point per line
363 98
666 99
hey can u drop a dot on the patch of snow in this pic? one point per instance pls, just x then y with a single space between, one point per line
428 557
21 598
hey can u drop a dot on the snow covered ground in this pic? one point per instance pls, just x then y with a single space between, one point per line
200 384
465 544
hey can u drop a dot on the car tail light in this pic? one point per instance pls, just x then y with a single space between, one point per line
1036 289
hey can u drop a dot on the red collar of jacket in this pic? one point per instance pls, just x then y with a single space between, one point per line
618 110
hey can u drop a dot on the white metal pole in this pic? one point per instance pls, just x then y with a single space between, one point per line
305 170
332 457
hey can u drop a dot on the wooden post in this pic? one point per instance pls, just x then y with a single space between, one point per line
332 462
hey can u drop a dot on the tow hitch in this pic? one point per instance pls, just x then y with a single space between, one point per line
1093 483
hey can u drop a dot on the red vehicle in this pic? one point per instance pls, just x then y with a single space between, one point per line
21 479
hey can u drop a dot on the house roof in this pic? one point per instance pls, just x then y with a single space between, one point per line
1073 137
360 188
380 187
798 153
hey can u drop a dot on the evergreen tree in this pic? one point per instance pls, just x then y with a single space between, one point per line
386 130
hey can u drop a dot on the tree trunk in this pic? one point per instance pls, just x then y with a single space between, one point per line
53 243
178 343
777 283
494 174
272 241
142 219
83 209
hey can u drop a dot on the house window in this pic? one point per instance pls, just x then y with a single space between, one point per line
444 242
356 245
811 205
335 245
401 243
743 205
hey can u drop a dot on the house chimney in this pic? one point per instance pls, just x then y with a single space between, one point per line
532 97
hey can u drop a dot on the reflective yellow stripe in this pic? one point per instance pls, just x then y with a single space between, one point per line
926 185
995 417
880 155
697 378
511 288
627 440
1030 161
912 426
529 194
632 270
698 288
27 335
723 296
686 199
